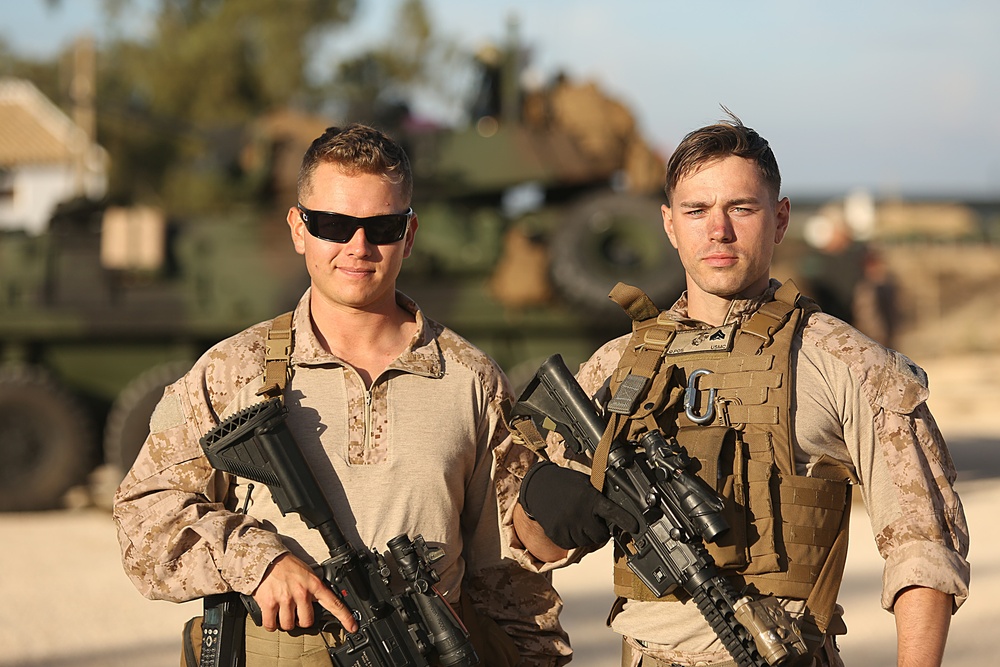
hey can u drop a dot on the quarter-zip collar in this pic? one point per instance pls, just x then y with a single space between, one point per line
422 355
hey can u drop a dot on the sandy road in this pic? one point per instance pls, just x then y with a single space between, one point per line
66 602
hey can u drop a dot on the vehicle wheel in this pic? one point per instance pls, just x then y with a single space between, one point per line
46 442
612 238
128 420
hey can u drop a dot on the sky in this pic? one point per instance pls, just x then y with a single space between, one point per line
894 97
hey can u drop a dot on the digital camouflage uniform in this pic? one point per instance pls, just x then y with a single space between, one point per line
859 403
415 454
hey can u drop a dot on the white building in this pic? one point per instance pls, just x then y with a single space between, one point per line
45 158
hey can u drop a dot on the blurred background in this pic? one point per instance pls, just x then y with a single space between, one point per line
149 150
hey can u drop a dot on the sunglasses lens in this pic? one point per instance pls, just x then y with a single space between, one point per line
339 228
385 229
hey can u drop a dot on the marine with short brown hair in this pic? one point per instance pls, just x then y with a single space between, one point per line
785 409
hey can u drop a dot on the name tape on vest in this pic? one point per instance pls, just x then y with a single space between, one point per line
719 339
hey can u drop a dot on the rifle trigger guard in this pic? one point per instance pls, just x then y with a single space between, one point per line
691 395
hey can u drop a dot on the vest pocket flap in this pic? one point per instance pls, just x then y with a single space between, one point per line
664 391
827 467
706 443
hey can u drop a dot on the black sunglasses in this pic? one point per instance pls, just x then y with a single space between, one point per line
340 228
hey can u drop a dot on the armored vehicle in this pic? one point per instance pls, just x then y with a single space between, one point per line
99 314
528 215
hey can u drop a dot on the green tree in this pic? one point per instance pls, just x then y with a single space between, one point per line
379 84
174 101
172 107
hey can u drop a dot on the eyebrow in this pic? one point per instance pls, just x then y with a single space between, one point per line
731 202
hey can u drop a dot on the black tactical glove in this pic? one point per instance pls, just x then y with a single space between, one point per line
568 507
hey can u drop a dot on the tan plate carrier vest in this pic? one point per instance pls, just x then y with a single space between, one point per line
788 533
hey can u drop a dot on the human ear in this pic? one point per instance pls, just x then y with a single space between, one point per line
782 215
668 224
411 232
297 228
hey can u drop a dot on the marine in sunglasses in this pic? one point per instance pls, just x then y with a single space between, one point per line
354 230
400 418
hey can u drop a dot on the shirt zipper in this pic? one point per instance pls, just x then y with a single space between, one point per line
368 419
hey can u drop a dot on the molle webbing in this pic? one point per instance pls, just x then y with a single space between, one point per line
746 381
788 534
277 356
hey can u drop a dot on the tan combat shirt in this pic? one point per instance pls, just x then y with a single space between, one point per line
413 454
863 405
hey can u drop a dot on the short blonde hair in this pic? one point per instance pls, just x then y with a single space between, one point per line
358 149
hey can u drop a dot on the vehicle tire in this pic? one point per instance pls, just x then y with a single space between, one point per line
127 424
46 443
610 238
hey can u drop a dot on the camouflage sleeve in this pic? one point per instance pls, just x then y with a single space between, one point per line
521 601
178 535
906 473
924 537
595 374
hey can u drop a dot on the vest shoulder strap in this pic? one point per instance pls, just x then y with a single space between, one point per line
644 351
634 301
642 358
277 356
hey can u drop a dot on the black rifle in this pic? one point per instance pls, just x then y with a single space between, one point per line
675 511
395 630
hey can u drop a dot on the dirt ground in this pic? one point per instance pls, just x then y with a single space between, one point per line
68 604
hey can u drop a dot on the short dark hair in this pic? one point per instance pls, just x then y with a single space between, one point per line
728 137
358 149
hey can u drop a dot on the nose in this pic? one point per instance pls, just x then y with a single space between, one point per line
358 244
720 227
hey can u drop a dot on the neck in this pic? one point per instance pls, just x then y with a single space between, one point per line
714 309
709 308
367 340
